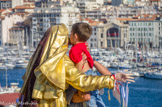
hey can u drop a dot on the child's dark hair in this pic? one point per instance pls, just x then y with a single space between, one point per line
83 30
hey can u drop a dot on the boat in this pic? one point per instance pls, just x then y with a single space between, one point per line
3 67
20 64
6 66
154 75
114 64
125 66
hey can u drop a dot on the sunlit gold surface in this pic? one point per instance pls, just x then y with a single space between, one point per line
56 71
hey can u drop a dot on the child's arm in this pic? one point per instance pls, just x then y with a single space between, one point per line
100 68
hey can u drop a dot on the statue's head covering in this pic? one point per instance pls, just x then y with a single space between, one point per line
46 63
51 63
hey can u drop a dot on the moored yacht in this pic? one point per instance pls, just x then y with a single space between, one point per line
154 75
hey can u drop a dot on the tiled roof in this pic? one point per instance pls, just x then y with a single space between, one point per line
2 10
92 22
8 98
21 13
143 17
23 7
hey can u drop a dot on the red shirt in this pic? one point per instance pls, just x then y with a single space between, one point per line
75 54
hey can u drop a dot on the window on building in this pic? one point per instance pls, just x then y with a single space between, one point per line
149 34
41 24
34 20
148 39
95 45
101 44
101 35
91 45
94 29
124 35
41 20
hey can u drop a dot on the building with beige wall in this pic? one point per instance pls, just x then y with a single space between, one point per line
17 36
109 35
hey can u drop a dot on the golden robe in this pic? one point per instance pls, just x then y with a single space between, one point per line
56 71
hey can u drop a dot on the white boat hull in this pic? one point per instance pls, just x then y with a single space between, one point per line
153 75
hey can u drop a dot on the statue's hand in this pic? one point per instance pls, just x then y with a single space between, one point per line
124 77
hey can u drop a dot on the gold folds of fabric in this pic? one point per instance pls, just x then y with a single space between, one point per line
56 71
85 83
50 74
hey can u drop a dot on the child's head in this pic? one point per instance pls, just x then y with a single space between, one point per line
80 32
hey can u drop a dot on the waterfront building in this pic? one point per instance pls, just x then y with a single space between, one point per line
89 8
5 4
109 35
8 20
112 35
17 37
48 13
7 23
144 30
2 17
93 40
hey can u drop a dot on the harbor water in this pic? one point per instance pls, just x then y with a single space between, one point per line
143 93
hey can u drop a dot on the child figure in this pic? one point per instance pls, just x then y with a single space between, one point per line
80 33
